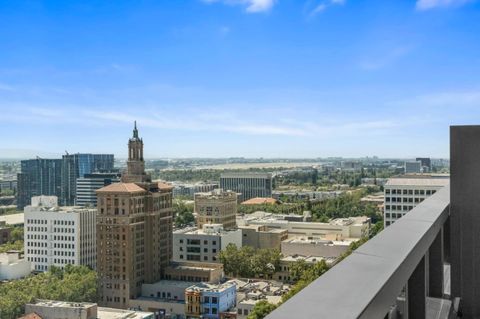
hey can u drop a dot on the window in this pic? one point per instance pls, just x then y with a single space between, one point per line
181 256
214 300
206 299
214 311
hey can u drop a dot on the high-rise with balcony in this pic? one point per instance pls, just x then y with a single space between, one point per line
134 231
75 166
38 177
249 185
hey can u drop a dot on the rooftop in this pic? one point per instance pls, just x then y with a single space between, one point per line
211 287
260 201
121 188
407 181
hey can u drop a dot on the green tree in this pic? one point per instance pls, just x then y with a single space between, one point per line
74 283
261 310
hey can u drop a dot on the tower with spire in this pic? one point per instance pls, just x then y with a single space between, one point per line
135 165
134 231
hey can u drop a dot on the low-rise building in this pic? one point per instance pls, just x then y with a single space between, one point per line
261 237
216 207
195 272
194 245
208 301
283 273
12 266
322 247
352 227
50 309
189 190
252 292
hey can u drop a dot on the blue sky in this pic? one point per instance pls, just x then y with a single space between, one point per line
219 78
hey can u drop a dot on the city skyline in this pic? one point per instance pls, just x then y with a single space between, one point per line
250 78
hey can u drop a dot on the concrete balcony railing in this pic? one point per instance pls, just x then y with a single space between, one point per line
402 272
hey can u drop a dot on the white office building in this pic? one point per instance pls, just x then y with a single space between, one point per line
192 244
59 236
402 194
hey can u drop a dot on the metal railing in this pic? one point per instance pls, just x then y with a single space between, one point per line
408 256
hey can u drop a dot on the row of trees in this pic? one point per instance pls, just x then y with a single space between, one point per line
249 262
74 283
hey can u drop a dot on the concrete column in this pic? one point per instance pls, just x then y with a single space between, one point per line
435 267
465 217
416 292
446 241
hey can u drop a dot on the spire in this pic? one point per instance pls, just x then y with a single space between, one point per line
135 131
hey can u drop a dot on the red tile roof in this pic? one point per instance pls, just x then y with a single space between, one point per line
121 188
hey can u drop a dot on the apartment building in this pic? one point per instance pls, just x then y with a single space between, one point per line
38 177
402 194
203 245
58 236
216 207
249 185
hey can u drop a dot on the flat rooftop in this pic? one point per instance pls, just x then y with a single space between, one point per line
14 219
407 181
111 313
62 304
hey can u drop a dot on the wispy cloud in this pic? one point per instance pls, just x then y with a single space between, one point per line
432 4
252 6
324 5
381 61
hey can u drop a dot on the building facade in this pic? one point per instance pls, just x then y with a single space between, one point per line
75 166
134 231
12 266
208 301
249 185
203 245
58 236
404 193
87 186
216 207
38 177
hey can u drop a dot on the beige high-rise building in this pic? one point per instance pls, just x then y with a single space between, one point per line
216 207
134 231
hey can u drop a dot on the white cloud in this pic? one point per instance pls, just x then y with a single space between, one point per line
323 5
432 4
252 6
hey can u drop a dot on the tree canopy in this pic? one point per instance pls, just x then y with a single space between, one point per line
249 262
74 283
